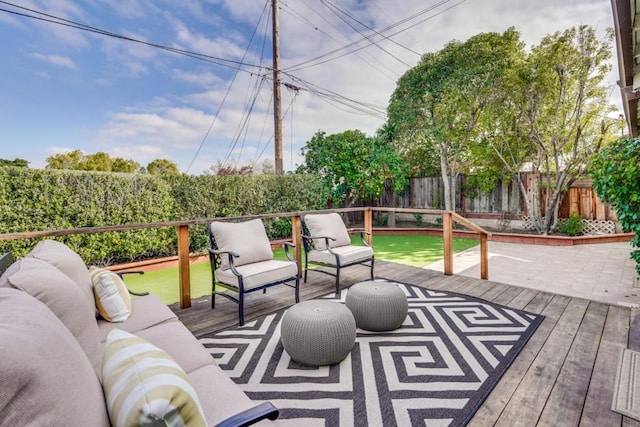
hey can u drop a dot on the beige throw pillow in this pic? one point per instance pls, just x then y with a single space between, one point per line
113 301
144 386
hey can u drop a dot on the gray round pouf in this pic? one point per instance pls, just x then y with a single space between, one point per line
318 332
377 306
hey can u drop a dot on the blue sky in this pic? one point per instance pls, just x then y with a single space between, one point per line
64 89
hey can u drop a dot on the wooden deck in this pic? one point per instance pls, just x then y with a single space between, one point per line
564 376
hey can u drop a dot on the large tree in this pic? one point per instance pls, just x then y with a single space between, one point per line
437 105
355 165
551 117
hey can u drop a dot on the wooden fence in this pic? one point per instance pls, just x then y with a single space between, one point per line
505 198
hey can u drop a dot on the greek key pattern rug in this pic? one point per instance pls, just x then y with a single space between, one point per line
436 370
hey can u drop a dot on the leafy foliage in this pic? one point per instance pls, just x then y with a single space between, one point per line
573 226
436 110
616 179
551 116
103 162
34 200
354 165
21 163
162 167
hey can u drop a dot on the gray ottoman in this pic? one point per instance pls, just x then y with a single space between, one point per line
377 306
318 332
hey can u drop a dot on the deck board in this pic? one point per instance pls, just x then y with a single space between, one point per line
564 375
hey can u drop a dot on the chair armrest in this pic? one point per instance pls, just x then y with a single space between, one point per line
326 239
122 273
287 246
251 416
362 234
232 255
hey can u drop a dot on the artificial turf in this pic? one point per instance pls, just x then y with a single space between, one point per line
417 251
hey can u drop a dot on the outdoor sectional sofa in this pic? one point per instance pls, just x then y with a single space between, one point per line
58 358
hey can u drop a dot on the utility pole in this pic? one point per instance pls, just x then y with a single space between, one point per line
277 96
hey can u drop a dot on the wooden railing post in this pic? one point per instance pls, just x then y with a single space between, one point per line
296 237
368 225
183 266
484 257
447 237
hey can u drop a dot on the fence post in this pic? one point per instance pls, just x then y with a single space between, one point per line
484 257
183 266
296 237
447 236
368 225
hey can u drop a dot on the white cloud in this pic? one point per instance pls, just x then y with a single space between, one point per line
57 60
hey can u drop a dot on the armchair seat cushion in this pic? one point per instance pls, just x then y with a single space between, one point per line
347 255
259 273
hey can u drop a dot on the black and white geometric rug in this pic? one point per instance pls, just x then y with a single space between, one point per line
436 370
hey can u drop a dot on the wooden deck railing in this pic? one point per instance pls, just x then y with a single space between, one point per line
182 229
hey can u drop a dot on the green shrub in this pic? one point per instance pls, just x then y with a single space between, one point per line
615 171
43 200
418 217
572 226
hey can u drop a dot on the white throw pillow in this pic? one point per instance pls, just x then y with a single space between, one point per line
248 239
327 225
113 301
144 386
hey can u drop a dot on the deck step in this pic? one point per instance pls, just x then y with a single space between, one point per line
626 393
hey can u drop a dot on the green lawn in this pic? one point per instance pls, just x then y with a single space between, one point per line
410 250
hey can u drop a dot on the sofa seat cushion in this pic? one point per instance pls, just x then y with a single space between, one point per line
63 297
146 311
66 260
144 386
224 397
327 225
179 343
111 294
259 273
347 255
248 239
45 377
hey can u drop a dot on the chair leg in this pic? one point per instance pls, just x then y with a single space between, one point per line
372 268
213 296
338 280
297 289
305 270
241 308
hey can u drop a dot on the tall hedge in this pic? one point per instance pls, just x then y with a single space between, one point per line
616 179
36 199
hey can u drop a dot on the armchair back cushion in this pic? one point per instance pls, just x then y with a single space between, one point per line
66 260
327 225
248 239
63 297
46 378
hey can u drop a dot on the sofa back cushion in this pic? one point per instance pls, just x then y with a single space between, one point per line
327 225
66 260
63 297
248 239
45 377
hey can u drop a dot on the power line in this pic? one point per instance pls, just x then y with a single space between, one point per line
348 48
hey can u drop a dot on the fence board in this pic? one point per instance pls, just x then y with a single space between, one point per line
428 193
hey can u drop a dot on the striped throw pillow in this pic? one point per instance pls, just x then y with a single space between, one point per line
144 386
111 294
